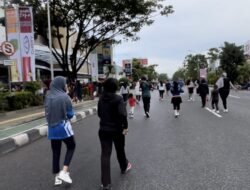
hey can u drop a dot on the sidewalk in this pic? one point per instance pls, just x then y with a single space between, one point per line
13 118
25 126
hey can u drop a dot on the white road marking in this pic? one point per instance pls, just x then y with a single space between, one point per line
234 96
216 114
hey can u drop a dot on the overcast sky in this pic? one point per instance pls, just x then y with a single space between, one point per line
194 27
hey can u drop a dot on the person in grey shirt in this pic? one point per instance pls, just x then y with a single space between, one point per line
146 95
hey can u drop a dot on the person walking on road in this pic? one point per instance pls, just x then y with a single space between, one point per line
113 128
146 96
176 100
161 89
224 85
190 87
58 112
124 91
168 87
215 99
203 92
137 92
131 102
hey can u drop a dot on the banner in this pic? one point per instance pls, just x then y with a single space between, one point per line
93 60
20 32
12 28
203 73
127 66
27 43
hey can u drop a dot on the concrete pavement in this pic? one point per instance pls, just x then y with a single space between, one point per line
197 151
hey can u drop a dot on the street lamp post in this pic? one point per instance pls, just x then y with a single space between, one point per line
50 41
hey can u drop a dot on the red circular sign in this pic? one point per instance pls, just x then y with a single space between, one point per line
7 48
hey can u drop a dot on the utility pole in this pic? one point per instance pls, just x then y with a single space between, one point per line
50 40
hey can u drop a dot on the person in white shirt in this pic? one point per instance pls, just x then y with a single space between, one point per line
124 91
161 88
137 92
190 86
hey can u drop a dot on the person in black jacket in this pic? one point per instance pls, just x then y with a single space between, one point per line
113 128
203 91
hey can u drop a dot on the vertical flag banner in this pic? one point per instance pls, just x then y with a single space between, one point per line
27 43
12 28
93 59
127 66
203 73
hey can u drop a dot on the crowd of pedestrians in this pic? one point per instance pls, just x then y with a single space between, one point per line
112 111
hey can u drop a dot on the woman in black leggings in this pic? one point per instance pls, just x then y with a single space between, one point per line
58 111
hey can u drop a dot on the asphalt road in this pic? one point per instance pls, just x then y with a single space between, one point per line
197 151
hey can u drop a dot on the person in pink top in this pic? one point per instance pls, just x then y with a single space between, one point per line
132 102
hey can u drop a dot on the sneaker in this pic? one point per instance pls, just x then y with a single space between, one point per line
177 113
225 110
108 187
57 181
217 111
147 115
64 176
129 167
214 110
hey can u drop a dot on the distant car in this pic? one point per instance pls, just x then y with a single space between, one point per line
246 86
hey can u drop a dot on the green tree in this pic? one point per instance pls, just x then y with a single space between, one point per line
162 77
194 63
212 77
230 58
179 74
138 70
243 73
213 56
90 23
151 73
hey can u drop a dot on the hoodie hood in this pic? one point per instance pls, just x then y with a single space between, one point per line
109 97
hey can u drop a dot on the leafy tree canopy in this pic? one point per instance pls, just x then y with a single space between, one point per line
90 23
194 63
162 77
231 56
179 74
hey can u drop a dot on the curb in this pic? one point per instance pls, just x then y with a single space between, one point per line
12 143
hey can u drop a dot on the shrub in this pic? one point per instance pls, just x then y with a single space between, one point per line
36 100
20 100
32 86
3 101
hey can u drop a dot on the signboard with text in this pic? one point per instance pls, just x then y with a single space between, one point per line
127 66
20 33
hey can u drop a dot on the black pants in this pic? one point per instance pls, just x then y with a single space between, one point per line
125 97
107 138
138 98
176 106
56 151
146 103
161 92
203 100
215 104
224 94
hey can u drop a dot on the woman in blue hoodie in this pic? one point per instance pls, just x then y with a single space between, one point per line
176 100
58 112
